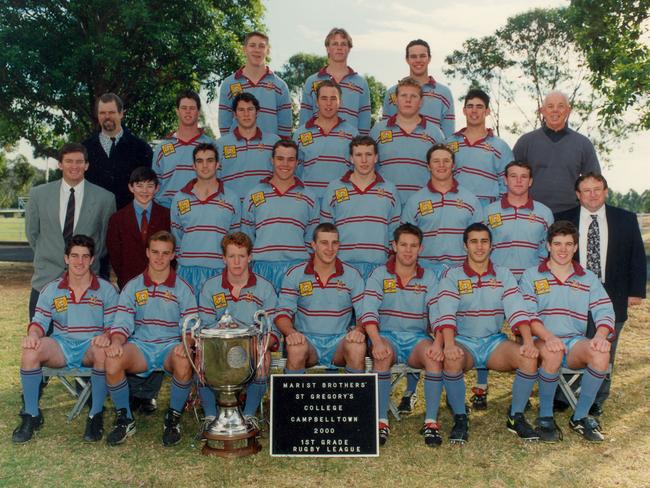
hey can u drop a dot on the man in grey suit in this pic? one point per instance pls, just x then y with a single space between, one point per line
59 209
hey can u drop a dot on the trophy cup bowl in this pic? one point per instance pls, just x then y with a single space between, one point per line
227 358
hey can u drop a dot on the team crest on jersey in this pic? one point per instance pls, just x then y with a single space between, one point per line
61 304
248 297
426 207
235 89
419 288
258 198
219 300
465 287
492 283
393 98
453 146
306 138
494 220
229 152
542 287
342 195
340 286
168 149
184 206
314 86
306 288
390 285
298 195
385 136
142 297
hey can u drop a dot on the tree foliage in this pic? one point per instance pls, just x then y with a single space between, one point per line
57 57
302 65
16 178
532 54
610 34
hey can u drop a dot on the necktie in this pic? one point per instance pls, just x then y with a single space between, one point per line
144 226
110 152
593 246
68 223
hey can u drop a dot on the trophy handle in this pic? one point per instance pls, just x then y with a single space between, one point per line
192 332
265 337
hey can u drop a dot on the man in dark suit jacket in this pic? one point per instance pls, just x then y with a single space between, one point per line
50 214
127 236
114 152
620 261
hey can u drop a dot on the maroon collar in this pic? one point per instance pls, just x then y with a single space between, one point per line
431 81
346 179
323 72
237 134
240 73
185 143
470 272
311 123
461 133
297 183
310 269
577 269
65 283
390 267
187 189
506 204
225 283
392 122
169 282
454 187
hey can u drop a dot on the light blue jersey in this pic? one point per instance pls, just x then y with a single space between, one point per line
323 157
442 218
403 156
173 163
274 115
245 162
437 105
480 167
518 234
355 99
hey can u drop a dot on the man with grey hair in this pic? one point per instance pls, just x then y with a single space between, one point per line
557 154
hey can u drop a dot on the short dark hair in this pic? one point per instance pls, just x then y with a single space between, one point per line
324 227
363 141
107 98
72 147
562 228
162 236
519 164
476 227
284 143
191 94
477 93
238 239
205 146
255 34
590 174
142 174
408 229
328 83
245 97
81 241
441 147
418 42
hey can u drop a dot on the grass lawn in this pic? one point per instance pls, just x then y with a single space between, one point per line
12 229
493 457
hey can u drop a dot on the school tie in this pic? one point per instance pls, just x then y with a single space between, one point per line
593 246
68 223
110 151
144 227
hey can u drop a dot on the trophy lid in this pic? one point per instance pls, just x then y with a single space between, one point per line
228 327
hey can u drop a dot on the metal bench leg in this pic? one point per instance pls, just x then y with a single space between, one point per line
82 398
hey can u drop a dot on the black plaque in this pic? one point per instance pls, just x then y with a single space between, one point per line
324 415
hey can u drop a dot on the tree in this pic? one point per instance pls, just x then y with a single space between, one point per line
57 57
610 34
302 65
533 54
16 178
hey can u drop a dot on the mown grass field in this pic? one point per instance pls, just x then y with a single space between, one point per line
12 229
493 457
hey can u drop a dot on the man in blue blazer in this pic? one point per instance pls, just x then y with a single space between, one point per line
611 246
59 209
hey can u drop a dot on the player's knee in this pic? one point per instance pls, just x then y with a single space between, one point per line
182 368
355 349
113 366
298 352
30 359
599 360
98 357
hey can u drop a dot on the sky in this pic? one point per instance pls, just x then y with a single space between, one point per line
381 29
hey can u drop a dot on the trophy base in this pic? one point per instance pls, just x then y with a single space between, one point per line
231 446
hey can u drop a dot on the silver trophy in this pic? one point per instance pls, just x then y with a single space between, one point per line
228 354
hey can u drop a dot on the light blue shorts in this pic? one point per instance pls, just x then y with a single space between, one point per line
73 350
325 346
273 271
196 276
481 347
569 342
154 354
403 343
